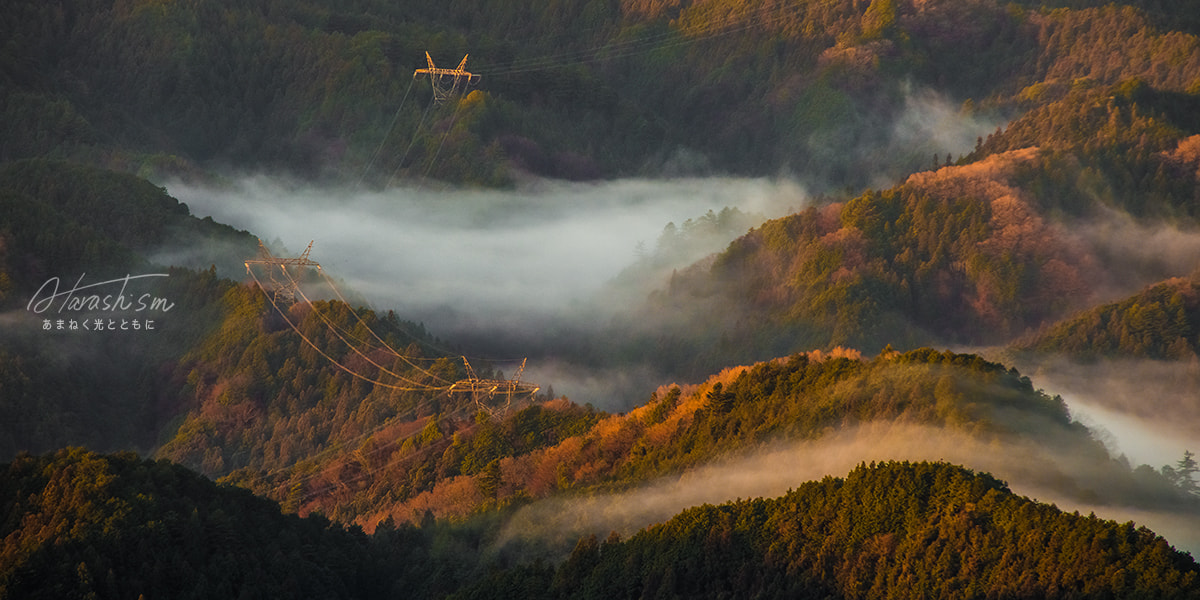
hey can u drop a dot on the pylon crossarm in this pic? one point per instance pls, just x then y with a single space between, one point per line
458 76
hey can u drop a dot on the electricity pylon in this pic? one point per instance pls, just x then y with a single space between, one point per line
281 289
446 82
483 390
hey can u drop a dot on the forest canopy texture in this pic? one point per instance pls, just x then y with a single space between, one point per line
1019 181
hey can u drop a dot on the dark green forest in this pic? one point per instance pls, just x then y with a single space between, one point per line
569 88
85 525
1161 322
892 530
982 175
79 524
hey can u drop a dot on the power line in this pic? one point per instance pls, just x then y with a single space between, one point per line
411 143
386 134
314 346
331 327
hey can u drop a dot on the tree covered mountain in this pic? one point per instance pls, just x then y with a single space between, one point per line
65 226
570 88
893 530
1096 129
975 253
449 467
1161 322
82 524
79 524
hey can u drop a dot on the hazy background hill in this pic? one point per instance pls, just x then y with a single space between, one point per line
840 94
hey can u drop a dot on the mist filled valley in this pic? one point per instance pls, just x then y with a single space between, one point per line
856 299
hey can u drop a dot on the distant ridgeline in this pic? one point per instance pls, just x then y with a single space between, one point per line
449 468
835 92
1161 322
79 524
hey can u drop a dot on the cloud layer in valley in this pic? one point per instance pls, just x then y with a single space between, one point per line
1146 410
504 264
480 251
1030 469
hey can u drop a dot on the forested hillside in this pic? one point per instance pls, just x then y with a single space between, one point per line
452 469
83 524
569 88
1161 322
1019 178
65 225
976 253
78 524
894 530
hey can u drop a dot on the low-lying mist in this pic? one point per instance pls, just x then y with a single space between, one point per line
1146 410
500 270
1135 254
1069 481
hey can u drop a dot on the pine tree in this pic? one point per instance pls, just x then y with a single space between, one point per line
1185 470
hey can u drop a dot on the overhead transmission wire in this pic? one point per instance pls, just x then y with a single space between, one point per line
332 325
332 328
449 129
341 444
425 403
450 352
435 346
383 344
332 286
413 142
408 360
326 356
386 135
263 477
363 475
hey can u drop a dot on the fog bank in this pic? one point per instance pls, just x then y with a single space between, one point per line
1150 409
507 266
485 252
1029 469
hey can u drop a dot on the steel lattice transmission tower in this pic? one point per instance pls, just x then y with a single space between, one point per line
287 289
483 390
447 82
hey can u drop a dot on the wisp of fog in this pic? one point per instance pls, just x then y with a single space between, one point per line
1146 410
464 261
1029 469
488 253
